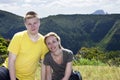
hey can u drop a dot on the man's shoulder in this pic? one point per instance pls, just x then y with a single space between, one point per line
21 33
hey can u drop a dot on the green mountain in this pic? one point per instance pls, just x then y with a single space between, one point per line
10 24
76 30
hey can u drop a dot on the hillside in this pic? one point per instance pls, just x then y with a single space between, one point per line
85 30
75 31
10 24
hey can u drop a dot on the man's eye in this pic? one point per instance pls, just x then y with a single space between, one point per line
35 23
29 24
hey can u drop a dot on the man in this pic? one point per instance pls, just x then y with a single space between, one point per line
25 50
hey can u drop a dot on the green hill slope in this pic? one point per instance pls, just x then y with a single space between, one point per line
112 39
10 23
76 31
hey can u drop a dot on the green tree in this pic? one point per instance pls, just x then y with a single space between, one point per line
113 58
92 53
3 49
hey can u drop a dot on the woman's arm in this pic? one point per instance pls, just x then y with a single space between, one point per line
48 72
68 71
11 66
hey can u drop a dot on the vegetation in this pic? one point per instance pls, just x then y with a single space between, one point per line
83 61
98 72
96 56
3 49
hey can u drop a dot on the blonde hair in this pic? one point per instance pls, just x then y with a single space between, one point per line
55 35
30 14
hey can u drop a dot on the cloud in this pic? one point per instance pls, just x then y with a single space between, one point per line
6 1
53 7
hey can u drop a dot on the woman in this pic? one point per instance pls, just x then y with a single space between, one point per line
58 60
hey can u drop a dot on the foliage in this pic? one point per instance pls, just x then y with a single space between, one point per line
83 61
113 58
3 49
94 55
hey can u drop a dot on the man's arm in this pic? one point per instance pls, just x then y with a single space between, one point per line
43 71
11 65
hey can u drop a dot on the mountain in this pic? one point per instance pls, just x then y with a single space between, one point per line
76 30
10 24
99 12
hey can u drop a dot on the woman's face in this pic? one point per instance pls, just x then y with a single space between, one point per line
32 25
52 43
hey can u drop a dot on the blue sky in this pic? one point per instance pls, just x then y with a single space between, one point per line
53 7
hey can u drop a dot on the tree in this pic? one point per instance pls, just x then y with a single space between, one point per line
92 53
3 49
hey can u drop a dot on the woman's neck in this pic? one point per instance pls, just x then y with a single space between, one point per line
57 53
58 56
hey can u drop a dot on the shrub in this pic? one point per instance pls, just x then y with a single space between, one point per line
83 61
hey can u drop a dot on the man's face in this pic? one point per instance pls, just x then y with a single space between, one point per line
32 25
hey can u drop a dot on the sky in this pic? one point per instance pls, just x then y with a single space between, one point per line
46 8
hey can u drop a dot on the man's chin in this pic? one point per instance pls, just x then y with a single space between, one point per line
33 33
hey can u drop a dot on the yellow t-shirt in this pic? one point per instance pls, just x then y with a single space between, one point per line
28 54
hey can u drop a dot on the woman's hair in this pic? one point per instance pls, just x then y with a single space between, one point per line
55 35
30 14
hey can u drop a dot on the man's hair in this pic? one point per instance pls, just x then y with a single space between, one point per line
30 14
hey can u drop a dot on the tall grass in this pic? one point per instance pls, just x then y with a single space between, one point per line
99 72
94 72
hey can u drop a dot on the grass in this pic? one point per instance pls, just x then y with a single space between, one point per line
94 72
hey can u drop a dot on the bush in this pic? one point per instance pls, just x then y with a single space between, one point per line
3 49
83 61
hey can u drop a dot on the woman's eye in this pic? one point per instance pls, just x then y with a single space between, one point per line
48 43
54 41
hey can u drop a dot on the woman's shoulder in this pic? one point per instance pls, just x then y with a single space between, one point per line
68 54
67 51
